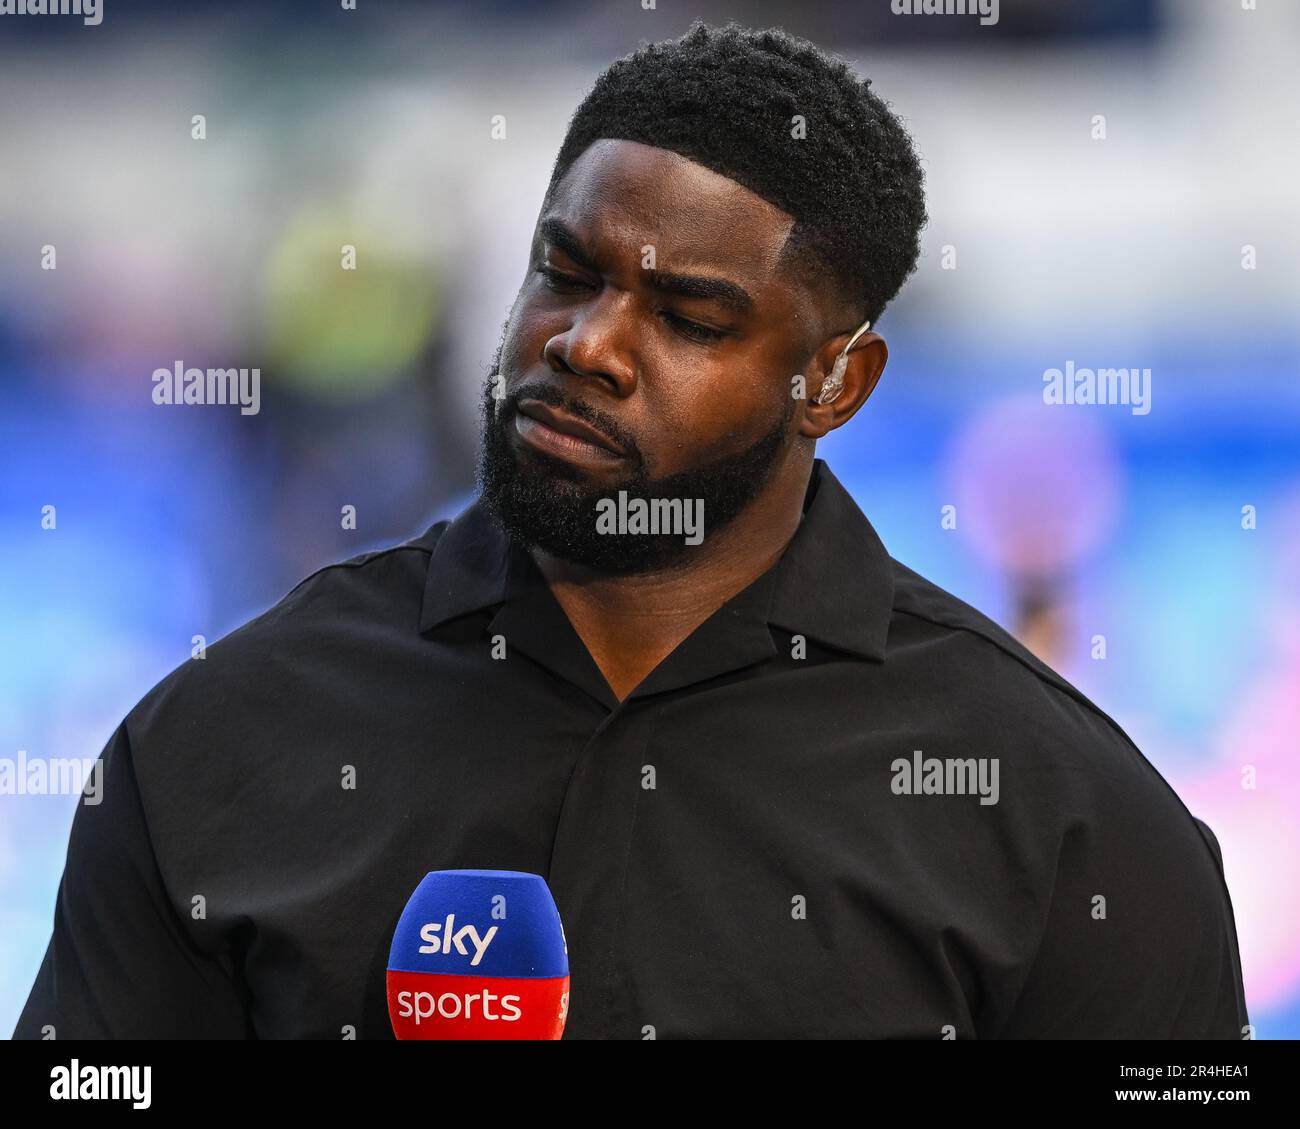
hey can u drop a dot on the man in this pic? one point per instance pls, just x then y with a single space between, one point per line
779 784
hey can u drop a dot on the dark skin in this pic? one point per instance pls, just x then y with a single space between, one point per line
604 335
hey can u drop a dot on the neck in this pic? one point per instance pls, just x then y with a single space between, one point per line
630 623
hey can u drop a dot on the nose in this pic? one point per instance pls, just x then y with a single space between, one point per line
595 345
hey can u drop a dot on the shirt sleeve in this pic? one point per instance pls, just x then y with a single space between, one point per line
1140 939
120 964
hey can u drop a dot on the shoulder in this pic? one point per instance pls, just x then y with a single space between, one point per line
980 661
975 663
1097 831
1060 752
388 581
327 619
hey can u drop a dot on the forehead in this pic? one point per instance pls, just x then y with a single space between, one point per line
621 195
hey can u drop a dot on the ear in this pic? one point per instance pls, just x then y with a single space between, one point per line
862 366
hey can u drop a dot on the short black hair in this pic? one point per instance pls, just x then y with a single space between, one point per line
727 97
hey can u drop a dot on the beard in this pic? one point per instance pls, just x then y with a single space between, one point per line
542 501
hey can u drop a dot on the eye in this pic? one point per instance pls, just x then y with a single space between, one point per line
693 330
555 279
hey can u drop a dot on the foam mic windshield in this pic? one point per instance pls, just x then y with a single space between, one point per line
479 954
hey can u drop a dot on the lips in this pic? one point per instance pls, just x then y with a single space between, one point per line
567 425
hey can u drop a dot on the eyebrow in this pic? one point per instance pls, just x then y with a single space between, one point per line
726 293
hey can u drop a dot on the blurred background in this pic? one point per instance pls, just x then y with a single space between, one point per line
1110 184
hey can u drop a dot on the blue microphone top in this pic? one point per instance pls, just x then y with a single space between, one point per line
499 923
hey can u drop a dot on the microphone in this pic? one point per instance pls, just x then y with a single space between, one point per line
479 954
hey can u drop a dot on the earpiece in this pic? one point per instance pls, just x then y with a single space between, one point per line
833 385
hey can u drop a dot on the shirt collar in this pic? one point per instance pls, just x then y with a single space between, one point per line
834 584
835 581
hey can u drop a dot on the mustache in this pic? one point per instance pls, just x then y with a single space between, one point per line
548 394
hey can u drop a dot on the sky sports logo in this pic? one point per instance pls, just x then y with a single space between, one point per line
450 976
442 937
455 938
420 1004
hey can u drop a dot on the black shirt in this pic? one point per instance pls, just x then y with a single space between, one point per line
741 848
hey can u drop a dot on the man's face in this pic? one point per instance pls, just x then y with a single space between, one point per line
655 314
